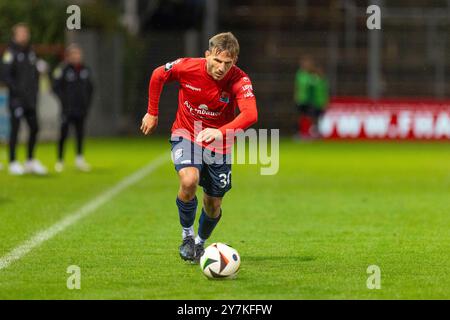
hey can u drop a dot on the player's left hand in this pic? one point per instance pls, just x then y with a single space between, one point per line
209 135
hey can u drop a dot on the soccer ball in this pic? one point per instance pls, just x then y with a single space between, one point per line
220 261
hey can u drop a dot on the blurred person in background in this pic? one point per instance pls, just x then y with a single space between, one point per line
320 99
73 86
304 95
21 75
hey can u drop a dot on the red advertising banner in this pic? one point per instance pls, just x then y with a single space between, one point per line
360 118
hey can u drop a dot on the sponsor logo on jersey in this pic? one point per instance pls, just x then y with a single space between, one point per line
187 85
225 97
178 154
248 90
201 110
169 65
248 94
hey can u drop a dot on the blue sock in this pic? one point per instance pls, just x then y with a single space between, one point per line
187 211
207 224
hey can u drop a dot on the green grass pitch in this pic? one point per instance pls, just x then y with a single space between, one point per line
309 232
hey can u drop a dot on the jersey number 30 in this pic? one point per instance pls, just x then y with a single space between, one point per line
225 179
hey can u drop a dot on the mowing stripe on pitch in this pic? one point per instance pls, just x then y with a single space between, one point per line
42 236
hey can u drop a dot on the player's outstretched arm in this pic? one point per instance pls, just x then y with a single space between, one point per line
161 75
149 123
248 116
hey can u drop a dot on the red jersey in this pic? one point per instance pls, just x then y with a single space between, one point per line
204 102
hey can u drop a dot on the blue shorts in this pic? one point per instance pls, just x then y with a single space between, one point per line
215 170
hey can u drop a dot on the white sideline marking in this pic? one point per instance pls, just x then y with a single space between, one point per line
44 235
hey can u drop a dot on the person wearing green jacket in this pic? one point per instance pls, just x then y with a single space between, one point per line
304 95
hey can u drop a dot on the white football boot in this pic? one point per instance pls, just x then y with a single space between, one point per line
82 165
16 169
35 166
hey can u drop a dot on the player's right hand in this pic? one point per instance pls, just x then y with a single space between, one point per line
149 123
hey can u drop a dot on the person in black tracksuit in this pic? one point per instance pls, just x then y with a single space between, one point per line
20 74
73 86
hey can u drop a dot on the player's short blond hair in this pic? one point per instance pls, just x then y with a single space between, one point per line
225 41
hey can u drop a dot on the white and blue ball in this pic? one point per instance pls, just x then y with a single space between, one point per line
220 261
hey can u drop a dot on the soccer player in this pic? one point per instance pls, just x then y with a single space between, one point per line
304 95
72 84
210 90
22 78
